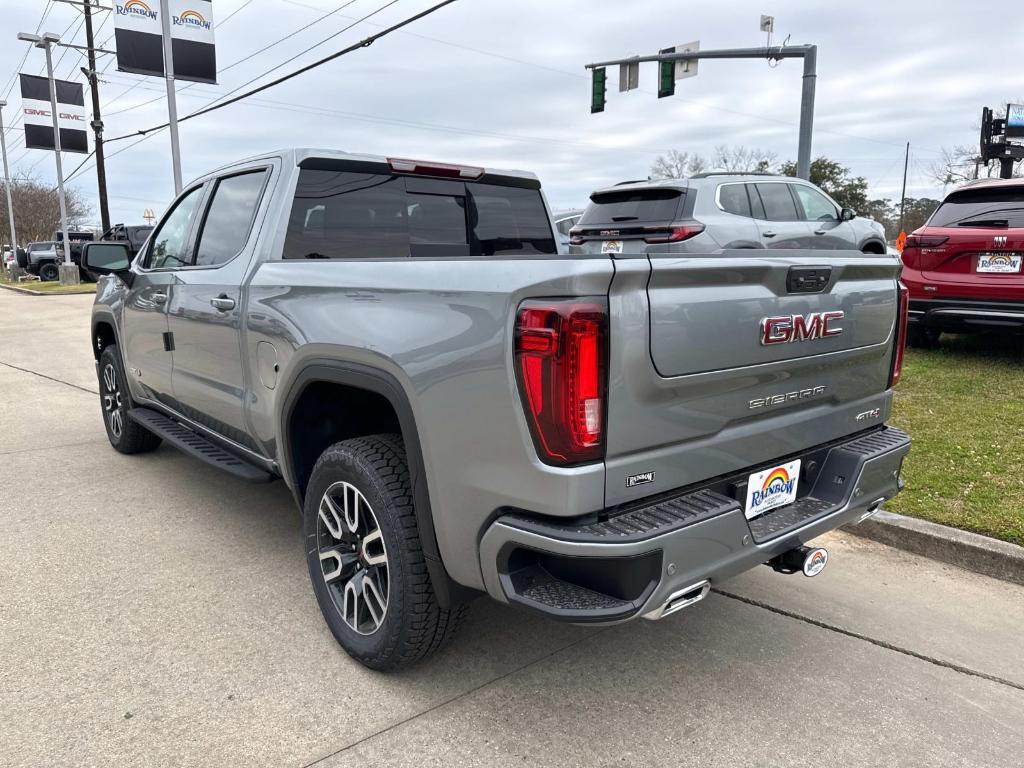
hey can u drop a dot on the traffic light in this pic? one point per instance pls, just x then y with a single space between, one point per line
666 79
599 89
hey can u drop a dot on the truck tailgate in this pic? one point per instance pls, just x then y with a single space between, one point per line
730 360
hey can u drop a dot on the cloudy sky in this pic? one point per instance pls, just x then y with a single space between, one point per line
502 83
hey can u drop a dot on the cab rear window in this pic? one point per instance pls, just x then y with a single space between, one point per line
346 214
636 206
981 207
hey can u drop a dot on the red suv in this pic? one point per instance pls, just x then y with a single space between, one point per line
964 267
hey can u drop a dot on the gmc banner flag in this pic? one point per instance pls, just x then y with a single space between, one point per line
138 31
71 118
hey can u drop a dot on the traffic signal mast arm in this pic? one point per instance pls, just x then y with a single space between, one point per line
809 53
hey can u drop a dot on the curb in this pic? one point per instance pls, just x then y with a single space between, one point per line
970 551
30 292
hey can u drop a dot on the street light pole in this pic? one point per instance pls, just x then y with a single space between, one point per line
172 104
46 41
7 183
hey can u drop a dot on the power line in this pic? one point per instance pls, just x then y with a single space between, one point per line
365 43
302 53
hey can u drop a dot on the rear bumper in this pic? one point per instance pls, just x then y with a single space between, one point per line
651 558
962 315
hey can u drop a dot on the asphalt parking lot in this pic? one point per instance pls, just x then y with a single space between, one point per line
156 612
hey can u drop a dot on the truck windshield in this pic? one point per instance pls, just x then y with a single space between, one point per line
638 206
981 207
344 214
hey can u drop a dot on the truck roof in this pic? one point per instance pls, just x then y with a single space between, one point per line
297 155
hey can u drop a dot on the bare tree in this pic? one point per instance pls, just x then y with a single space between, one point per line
37 209
677 165
739 159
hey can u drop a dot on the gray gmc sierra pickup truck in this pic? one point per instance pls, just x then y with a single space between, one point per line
460 406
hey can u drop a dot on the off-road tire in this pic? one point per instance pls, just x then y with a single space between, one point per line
49 272
413 625
131 437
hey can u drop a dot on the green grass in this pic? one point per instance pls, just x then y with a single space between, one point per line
963 405
52 287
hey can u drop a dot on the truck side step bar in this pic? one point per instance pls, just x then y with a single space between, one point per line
194 444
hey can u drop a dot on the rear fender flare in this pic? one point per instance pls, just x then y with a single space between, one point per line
383 383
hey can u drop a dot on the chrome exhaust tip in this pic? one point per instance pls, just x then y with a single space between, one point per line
680 599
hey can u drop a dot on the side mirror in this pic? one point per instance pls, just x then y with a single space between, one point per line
848 214
107 259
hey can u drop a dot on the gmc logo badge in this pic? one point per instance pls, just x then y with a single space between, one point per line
789 328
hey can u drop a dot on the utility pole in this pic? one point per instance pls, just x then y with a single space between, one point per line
903 196
172 104
809 53
7 183
97 120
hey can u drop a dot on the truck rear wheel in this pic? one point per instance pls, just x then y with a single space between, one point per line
365 559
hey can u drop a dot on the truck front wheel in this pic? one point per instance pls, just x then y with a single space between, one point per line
124 434
365 559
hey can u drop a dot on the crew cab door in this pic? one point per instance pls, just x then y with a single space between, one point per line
148 358
206 302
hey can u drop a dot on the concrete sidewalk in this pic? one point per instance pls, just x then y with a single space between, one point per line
156 612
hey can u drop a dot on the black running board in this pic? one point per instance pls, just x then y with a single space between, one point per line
194 444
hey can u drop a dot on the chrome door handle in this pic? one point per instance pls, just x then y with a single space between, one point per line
223 303
769 234
819 231
159 298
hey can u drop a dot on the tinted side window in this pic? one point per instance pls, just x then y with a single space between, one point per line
778 202
229 218
167 250
339 215
816 206
756 206
733 198
510 221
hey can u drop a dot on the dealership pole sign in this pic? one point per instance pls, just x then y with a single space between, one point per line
138 32
38 114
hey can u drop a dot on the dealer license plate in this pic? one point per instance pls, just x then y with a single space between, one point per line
1000 263
771 488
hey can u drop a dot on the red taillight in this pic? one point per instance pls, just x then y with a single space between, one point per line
925 241
675 234
560 362
444 170
912 248
903 309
